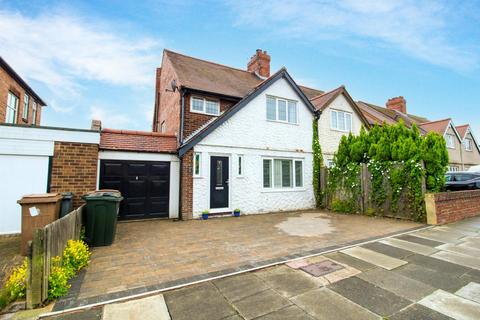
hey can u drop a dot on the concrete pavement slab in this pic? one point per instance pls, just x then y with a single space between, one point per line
472 242
150 308
410 246
240 286
288 313
419 312
89 314
374 298
460 248
203 302
458 258
434 278
419 240
260 304
324 304
388 250
471 276
452 305
471 292
297 264
375 258
438 235
437 264
288 282
350 261
466 231
400 285
341 274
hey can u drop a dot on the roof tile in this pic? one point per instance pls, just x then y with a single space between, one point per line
140 141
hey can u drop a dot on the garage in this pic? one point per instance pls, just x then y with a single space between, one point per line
145 186
144 167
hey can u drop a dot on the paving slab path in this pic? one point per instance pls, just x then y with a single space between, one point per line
419 283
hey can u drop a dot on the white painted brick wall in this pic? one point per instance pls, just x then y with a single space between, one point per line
249 133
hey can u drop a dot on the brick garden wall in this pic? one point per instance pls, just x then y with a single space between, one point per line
186 196
447 207
74 169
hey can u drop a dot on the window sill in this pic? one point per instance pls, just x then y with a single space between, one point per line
198 177
264 190
284 122
204 113
343 131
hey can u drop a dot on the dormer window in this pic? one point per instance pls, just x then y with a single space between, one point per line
206 106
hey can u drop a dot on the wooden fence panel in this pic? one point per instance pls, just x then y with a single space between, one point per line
48 243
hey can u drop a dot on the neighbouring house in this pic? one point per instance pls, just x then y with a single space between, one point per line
471 148
244 136
19 104
340 115
463 149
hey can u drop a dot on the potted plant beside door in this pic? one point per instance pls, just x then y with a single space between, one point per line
205 214
236 212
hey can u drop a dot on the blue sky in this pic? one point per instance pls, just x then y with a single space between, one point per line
97 59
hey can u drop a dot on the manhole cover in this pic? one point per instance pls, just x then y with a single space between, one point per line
322 268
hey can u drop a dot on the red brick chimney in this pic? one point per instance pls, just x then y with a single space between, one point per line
96 125
260 63
397 103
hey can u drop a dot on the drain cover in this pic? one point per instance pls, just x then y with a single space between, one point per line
322 268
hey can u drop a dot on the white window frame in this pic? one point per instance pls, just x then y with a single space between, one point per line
240 166
345 113
294 176
162 126
204 107
277 99
453 168
9 108
26 103
469 145
199 162
450 138
34 112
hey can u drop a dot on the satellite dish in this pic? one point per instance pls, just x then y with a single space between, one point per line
173 86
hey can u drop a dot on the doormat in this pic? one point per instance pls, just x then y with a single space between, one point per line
322 268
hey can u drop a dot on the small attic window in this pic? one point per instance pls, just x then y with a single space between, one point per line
206 106
449 138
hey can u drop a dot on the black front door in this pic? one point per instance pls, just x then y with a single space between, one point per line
145 186
218 182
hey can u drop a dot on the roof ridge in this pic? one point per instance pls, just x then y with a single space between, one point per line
462 125
211 62
327 92
429 122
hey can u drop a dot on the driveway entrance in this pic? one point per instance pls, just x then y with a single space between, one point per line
151 255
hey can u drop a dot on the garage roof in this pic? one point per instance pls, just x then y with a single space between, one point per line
138 141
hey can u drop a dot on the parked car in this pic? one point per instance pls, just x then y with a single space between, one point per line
462 180
474 169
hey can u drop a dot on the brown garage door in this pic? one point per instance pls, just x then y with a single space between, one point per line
145 186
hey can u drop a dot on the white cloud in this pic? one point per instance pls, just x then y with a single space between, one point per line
61 50
420 29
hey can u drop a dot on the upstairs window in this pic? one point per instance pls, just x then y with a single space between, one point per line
12 108
281 110
449 139
468 144
206 106
341 120
26 99
34 112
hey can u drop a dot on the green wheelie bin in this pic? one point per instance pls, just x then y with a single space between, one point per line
101 217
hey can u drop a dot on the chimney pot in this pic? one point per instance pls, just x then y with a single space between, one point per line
397 103
260 63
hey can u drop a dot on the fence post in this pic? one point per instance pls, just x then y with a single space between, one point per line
35 268
365 186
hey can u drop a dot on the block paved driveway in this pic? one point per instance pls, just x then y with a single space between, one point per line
427 274
152 255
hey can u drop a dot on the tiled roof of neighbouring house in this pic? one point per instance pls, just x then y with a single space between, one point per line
216 78
439 126
462 130
139 141
321 101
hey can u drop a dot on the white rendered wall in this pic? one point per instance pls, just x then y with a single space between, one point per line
21 175
249 133
330 138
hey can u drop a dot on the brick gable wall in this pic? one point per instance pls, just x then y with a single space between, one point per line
168 103
447 207
7 84
74 169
